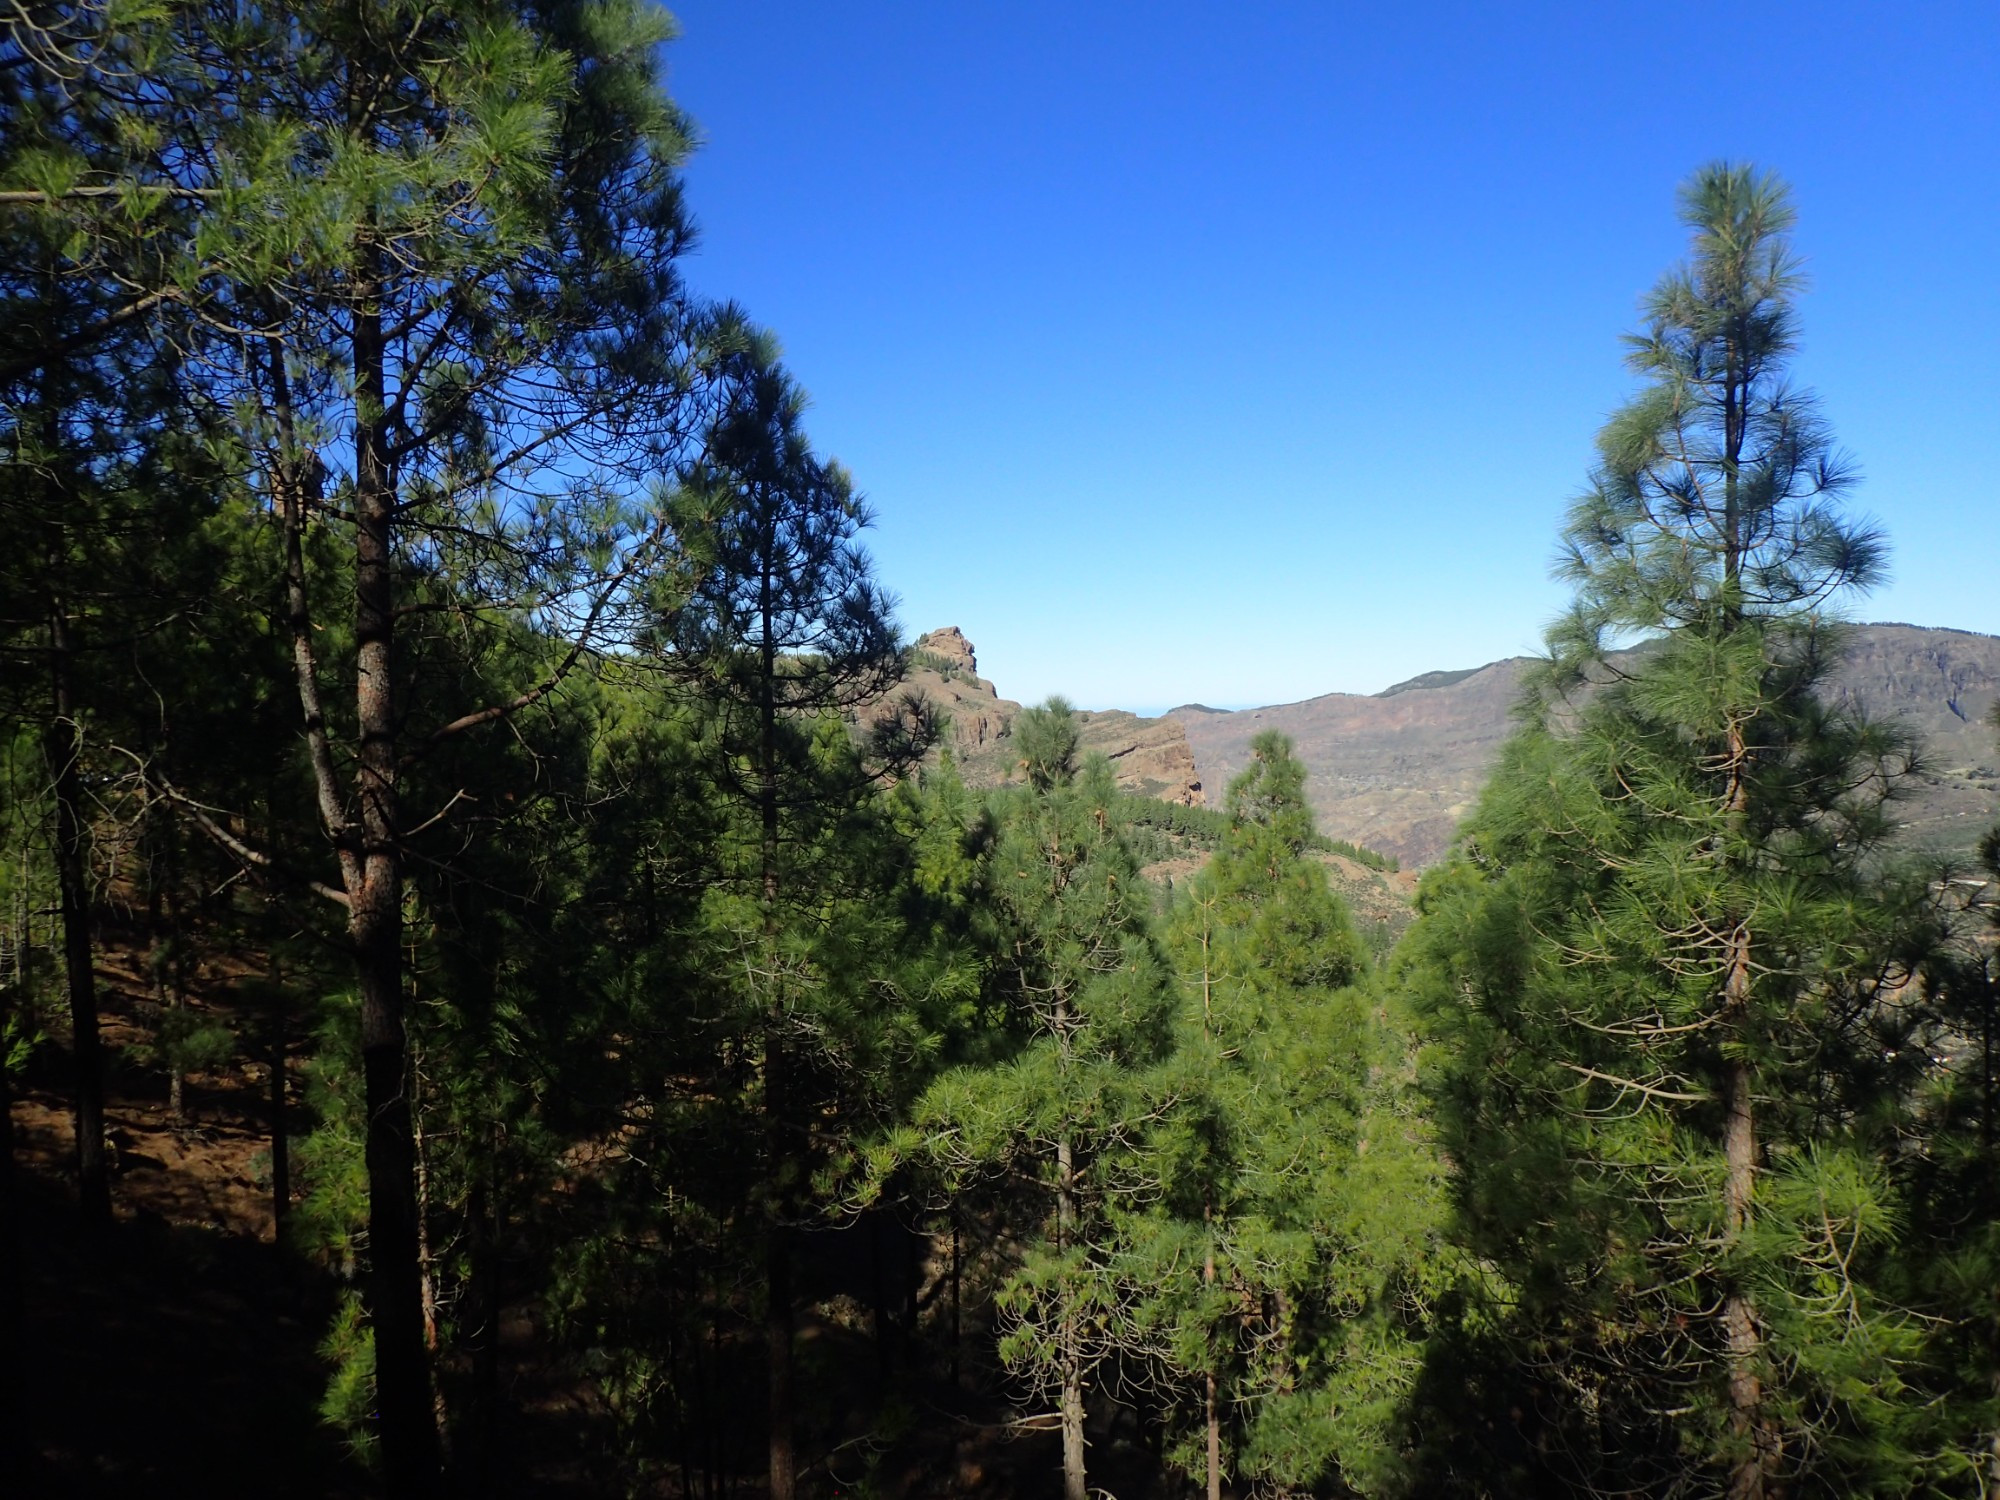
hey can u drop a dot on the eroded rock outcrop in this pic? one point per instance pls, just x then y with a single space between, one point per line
1151 757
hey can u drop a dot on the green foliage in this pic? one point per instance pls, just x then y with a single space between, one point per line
1201 827
1048 736
330 1221
1697 1194
1367 858
348 1405
1160 830
1061 1106
192 1041
1669 977
1285 1253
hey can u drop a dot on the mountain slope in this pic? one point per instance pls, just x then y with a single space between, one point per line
1396 771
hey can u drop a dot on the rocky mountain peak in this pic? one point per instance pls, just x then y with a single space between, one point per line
951 645
1148 756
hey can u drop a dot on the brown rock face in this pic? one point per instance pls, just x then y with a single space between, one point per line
1150 756
951 647
1396 771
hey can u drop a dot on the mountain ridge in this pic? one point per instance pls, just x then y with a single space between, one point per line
1396 770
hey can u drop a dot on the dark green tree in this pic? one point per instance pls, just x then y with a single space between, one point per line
786 638
1066 1103
1297 1185
430 292
1954 1177
71 405
1667 961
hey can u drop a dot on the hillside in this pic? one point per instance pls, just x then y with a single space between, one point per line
1151 756
1396 770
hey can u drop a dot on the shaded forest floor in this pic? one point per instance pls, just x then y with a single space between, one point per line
176 1354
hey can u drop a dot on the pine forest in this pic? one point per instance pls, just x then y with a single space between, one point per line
516 978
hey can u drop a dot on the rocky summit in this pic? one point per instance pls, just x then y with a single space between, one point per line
1394 771
1150 756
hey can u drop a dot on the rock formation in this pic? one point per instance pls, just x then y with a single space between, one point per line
1150 756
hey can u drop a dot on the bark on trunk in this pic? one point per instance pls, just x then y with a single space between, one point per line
426 1263
778 1250
1743 1334
63 743
281 1152
778 1331
957 1327
1075 1482
409 1433
1741 1330
13 1293
1208 1226
1214 1405
472 1453
163 926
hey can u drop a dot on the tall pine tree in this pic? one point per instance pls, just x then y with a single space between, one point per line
786 636
1667 959
429 287
1065 1107
1297 1200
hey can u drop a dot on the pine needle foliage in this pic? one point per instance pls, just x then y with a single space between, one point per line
1279 1260
1065 1106
1672 973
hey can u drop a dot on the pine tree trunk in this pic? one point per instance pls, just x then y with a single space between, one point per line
13 1289
375 927
1214 1406
778 1333
1743 1336
63 742
1208 1229
281 1153
716 1452
879 1294
1742 1332
778 1328
162 928
1075 1485
472 1455
426 1262
957 1329
1986 1019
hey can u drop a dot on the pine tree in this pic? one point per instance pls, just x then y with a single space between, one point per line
1953 1178
1066 1105
1293 1187
426 286
1667 956
786 637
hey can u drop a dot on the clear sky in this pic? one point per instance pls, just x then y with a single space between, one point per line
1243 353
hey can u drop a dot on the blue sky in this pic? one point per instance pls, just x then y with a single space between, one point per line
1243 353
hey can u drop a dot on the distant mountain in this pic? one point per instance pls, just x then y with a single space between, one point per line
1396 771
